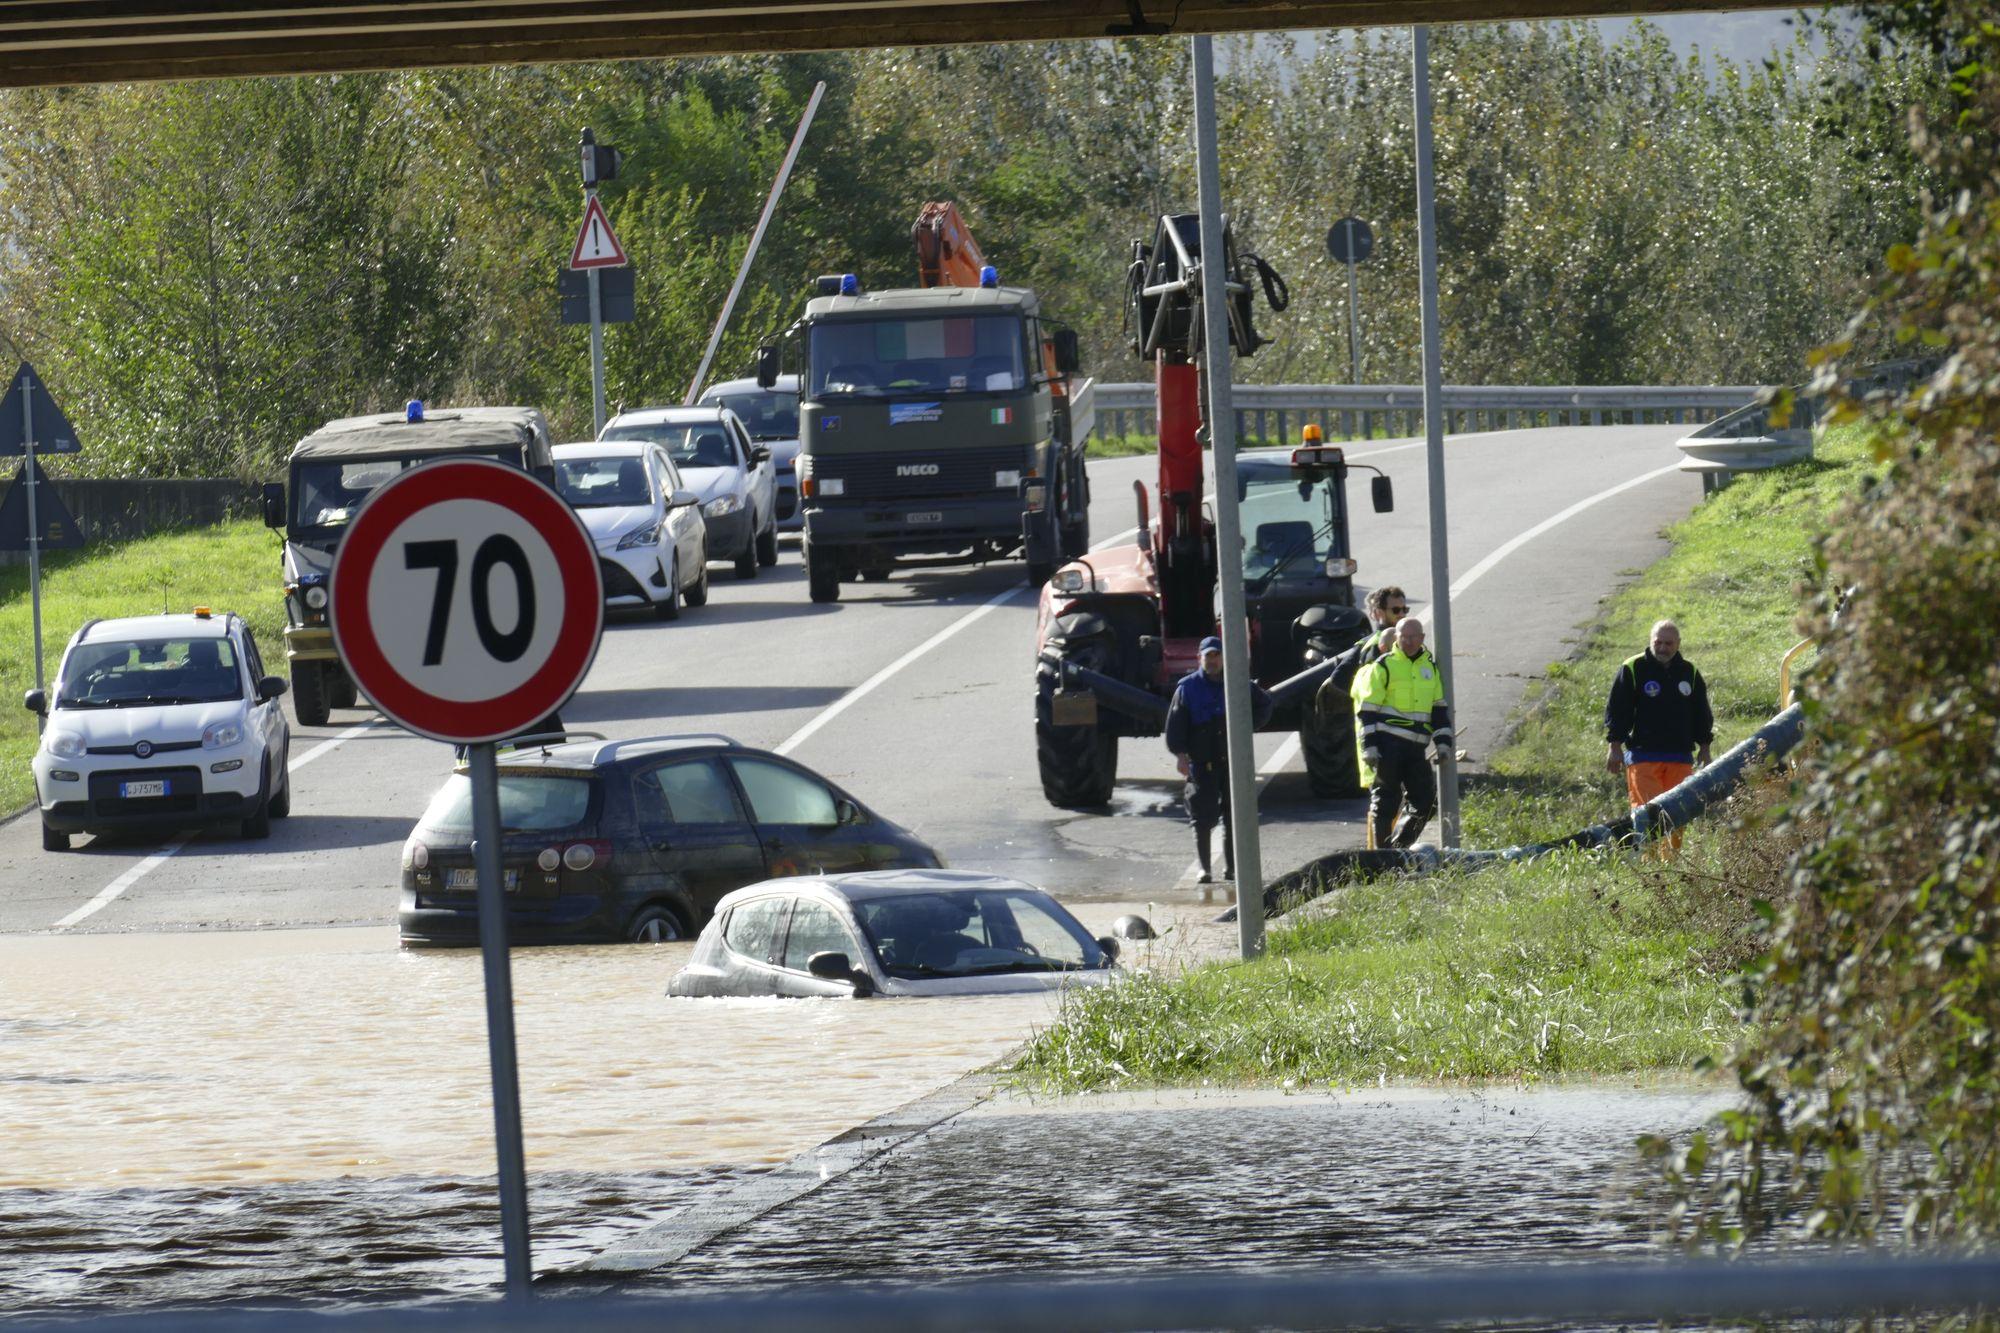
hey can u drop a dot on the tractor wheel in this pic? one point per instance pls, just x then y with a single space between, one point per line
1079 765
1332 766
309 693
822 574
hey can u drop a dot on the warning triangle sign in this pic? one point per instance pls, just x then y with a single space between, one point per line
53 433
60 531
596 246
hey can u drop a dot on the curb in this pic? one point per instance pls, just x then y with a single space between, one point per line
668 1242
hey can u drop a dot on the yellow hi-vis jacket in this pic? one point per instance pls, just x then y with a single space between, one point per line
1399 700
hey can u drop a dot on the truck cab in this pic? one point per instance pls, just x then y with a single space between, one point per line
933 424
330 474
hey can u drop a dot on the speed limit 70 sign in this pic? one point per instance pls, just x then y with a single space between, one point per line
467 602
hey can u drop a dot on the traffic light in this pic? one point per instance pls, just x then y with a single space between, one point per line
600 161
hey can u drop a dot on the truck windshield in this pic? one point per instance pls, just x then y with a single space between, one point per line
1288 524
327 493
881 358
768 415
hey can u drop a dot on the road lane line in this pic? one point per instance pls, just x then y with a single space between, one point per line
867 687
1284 753
111 892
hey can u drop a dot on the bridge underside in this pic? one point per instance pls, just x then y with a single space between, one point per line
54 42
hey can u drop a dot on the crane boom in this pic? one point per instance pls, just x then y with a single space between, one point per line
947 256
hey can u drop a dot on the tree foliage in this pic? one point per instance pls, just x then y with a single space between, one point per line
205 272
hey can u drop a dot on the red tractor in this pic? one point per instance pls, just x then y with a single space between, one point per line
1119 627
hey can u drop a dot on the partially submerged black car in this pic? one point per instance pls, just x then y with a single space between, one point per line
636 840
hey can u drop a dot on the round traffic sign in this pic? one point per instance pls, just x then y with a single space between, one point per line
467 602
1350 241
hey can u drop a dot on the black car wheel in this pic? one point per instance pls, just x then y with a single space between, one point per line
54 840
669 605
746 559
655 925
696 593
767 545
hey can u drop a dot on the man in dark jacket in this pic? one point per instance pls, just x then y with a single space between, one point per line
1197 736
1657 722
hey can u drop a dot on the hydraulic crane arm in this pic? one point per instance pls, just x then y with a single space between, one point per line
947 256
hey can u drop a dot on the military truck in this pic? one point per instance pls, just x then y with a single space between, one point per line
937 422
331 472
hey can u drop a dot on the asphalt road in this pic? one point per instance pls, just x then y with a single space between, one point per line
916 695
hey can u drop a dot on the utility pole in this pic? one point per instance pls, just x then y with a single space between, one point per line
1448 823
1219 418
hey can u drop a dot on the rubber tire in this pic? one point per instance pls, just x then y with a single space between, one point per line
258 825
822 575
309 694
698 594
1039 573
1332 766
655 925
669 606
1079 765
746 560
53 841
767 546
879 574
341 693
281 800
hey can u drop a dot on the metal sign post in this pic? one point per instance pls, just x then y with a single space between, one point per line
1220 419
596 353
34 533
1350 241
1448 830
468 605
596 248
53 435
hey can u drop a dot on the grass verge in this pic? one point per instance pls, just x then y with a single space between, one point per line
230 567
1570 966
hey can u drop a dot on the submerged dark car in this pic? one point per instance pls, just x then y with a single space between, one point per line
636 840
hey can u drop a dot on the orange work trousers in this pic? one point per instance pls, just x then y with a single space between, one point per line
1645 781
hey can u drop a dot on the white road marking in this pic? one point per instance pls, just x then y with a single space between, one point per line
1290 747
111 892
867 687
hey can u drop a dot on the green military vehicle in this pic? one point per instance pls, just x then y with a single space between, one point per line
332 471
940 423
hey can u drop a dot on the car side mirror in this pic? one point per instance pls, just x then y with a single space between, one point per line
682 499
1110 947
271 687
846 812
760 453
767 366
36 701
1069 351
1382 493
836 967
274 504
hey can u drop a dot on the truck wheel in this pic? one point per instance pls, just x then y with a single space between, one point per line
342 693
309 694
1332 766
1079 765
52 841
822 574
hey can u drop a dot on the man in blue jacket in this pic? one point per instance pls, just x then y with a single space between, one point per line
1197 736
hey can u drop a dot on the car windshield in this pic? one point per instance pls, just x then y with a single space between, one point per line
1289 524
974 933
768 414
691 444
602 483
326 493
529 803
143 672
881 358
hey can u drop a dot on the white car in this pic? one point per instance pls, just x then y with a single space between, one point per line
772 418
892 932
732 474
652 544
165 722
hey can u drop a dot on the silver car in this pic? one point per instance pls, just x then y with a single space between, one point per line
772 418
652 543
892 932
731 475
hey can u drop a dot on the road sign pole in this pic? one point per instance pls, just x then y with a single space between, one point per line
596 354
34 529
1220 419
500 1016
1353 314
1434 424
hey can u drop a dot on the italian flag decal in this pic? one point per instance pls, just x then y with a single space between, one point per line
1002 415
924 339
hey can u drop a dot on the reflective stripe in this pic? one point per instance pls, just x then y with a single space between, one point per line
1390 729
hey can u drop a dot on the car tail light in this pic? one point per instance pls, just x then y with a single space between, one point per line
549 859
584 855
420 856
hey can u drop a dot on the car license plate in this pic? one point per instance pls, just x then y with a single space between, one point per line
924 516
153 787
467 879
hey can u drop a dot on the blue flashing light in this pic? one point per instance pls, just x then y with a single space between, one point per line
989 276
850 285
413 410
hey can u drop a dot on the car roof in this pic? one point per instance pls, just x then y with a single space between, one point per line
603 449
653 416
787 383
874 885
586 755
184 625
